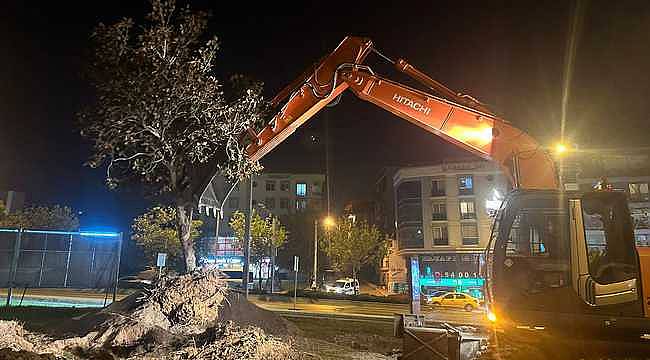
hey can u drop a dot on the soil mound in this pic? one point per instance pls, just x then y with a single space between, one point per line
191 316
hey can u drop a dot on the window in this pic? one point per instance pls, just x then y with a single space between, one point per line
469 232
410 237
270 185
409 215
301 189
467 210
465 185
537 254
534 234
440 236
609 257
284 185
439 211
301 204
284 203
449 296
233 203
460 296
638 191
438 187
270 203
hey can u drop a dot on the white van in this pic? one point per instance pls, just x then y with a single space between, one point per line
346 286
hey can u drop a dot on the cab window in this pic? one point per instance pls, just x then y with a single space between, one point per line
460 296
449 296
609 238
538 251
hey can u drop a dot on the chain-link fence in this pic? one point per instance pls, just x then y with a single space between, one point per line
59 259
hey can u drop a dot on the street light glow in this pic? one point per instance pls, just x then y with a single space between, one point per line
329 221
561 148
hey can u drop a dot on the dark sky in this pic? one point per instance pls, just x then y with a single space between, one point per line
509 54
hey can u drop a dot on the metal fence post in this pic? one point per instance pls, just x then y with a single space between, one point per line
117 268
40 274
67 263
14 265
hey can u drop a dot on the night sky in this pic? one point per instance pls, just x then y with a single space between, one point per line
510 55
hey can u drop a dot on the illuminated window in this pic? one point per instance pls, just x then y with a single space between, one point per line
469 232
301 204
467 209
440 235
638 191
301 189
284 185
466 185
439 211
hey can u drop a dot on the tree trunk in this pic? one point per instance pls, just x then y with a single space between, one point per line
184 221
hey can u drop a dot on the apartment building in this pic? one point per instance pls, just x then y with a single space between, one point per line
442 215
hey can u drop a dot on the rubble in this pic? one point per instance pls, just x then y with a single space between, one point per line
192 316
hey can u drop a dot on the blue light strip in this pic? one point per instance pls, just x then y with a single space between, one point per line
54 232
99 234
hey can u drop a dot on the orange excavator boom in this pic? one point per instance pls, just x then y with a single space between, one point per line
457 118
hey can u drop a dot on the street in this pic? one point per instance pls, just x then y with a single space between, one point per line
363 310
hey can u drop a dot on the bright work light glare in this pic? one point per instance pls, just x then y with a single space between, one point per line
491 316
561 148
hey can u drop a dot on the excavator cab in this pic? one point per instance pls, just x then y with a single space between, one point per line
565 262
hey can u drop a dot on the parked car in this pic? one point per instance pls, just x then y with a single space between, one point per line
434 294
347 286
457 300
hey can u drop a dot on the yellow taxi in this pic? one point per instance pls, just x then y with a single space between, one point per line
454 299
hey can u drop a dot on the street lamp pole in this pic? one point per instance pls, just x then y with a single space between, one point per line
314 284
247 236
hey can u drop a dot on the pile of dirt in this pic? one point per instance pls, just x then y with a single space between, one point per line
192 316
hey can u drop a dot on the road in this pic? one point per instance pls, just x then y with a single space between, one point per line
305 307
363 310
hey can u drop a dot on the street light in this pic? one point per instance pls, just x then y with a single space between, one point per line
328 222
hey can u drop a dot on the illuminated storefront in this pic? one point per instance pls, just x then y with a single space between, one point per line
451 272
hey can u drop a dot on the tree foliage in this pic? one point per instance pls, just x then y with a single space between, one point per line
266 233
55 217
352 244
156 231
161 116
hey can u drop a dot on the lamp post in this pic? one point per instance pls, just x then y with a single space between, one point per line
327 222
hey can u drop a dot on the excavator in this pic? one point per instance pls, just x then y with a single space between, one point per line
560 265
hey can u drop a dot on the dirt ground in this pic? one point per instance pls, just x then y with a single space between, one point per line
344 339
192 316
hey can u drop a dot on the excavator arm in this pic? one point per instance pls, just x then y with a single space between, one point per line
458 119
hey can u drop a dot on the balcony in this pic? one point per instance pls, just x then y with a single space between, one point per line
468 216
438 192
439 216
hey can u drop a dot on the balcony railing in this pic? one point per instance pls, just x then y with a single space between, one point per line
468 216
439 216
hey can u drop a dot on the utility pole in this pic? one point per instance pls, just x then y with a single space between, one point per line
314 284
247 241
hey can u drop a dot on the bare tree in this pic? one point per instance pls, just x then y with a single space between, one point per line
161 117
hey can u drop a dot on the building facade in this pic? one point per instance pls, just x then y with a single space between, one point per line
279 194
626 170
442 216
